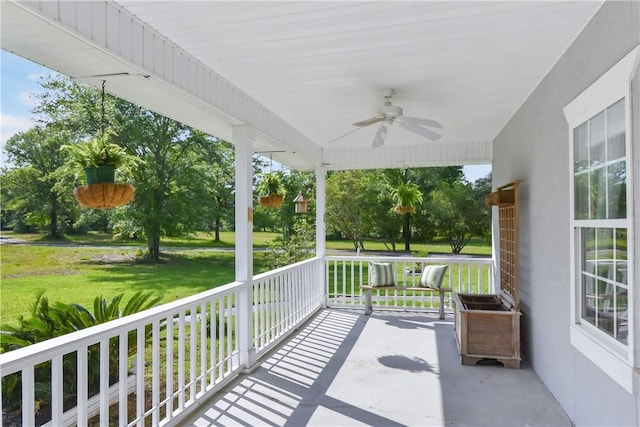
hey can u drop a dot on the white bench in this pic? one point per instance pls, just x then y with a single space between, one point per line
382 277
368 309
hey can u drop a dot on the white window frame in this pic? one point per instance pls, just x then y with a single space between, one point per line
614 358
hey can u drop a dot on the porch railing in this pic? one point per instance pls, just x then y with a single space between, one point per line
179 353
344 275
159 364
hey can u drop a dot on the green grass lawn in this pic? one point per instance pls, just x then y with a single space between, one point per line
78 275
197 240
74 274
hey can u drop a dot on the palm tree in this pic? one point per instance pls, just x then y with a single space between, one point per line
407 195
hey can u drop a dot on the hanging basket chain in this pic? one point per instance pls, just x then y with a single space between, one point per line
104 82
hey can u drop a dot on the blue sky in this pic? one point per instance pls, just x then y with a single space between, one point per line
20 79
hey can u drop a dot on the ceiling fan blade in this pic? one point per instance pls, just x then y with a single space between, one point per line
381 135
343 135
429 134
423 122
369 121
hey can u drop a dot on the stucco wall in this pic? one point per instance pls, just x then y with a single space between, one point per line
533 146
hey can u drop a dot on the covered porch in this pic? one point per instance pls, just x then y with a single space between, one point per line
392 368
290 347
496 75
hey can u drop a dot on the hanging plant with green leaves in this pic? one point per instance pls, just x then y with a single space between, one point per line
271 192
98 151
407 195
99 157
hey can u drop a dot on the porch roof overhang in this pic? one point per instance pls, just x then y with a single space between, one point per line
301 73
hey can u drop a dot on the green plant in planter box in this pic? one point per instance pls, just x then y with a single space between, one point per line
407 195
98 155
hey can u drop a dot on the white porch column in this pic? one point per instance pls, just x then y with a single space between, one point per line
321 203
321 229
243 139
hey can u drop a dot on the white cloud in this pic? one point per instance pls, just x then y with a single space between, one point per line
17 123
27 98
10 125
34 77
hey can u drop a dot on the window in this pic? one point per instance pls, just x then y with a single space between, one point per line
602 221
600 214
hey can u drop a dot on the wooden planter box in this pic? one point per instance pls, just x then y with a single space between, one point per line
486 327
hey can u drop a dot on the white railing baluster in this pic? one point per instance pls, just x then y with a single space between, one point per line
123 370
270 304
181 364
202 345
230 317
155 373
28 397
343 291
169 367
82 389
255 292
56 391
193 333
222 318
353 283
140 360
213 328
104 383
261 314
281 307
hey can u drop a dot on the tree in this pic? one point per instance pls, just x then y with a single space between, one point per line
380 221
295 182
179 188
38 190
407 195
427 179
347 195
458 212
171 197
218 175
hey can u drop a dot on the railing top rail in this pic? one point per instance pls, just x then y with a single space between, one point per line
278 271
410 259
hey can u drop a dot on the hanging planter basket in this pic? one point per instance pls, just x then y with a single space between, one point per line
271 201
104 195
100 174
404 209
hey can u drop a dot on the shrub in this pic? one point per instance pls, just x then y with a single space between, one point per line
48 321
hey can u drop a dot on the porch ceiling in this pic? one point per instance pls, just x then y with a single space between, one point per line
317 67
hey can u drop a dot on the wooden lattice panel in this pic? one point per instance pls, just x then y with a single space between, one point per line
506 198
508 249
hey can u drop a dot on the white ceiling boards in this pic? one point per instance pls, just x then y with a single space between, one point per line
303 72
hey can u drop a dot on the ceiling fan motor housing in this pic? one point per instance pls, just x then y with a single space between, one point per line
390 111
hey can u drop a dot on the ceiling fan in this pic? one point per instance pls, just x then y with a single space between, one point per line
389 114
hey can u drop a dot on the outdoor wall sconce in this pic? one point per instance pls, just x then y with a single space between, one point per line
302 204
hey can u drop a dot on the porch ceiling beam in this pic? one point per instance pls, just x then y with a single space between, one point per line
427 154
87 40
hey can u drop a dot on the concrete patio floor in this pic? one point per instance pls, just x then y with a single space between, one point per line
388 369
